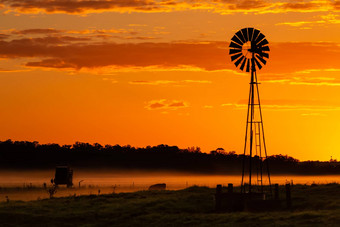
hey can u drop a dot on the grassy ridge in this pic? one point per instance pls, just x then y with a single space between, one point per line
312 205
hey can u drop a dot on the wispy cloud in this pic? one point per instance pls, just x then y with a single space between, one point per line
167 82
80 6
110 80
163 104
103 31
316 83
313 114
36 31
310 77
198 81
129 33
157 82
217 6
4 36
6 70
323 20
289 105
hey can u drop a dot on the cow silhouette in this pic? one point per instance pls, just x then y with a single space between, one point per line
157 187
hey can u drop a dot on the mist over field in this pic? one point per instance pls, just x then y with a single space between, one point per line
29 185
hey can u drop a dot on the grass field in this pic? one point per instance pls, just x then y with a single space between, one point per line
317 205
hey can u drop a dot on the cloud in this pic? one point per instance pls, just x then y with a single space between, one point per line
111 80
336 5
208 56
51 63
288 105
164 104
157 82
313 114
315 83
5 70
46 41
77 53
324 19
36 31
4 36
103 31
166 82
121 33
79 6
301 5
217 6
198 81
310 77
298 56
137 37
300 23
177 104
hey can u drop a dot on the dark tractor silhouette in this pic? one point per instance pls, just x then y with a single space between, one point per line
63 176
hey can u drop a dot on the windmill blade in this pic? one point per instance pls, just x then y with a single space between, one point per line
245 34
265 48
239 61
258 63
259 38
237 40
253 45
250 33
263 42
234 45
261 59
264 55
255 34
243 64
240 36
234 51
236 56
248 66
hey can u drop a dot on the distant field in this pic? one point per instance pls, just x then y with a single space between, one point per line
317 205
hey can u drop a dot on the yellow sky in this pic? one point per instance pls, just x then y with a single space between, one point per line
158 72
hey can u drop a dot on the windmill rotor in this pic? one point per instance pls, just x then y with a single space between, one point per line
249 49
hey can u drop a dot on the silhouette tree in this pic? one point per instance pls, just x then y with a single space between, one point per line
32 155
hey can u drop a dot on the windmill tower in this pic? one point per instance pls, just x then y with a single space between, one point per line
248 50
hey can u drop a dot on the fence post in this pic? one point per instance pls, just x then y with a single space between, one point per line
230 188
276 191
288 196
218 196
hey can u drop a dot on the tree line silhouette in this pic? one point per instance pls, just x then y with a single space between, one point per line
32 155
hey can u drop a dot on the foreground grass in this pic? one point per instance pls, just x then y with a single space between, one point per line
312 206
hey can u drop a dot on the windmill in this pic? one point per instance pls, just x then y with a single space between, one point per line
249 51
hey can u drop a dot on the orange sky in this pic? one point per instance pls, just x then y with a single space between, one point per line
149 72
